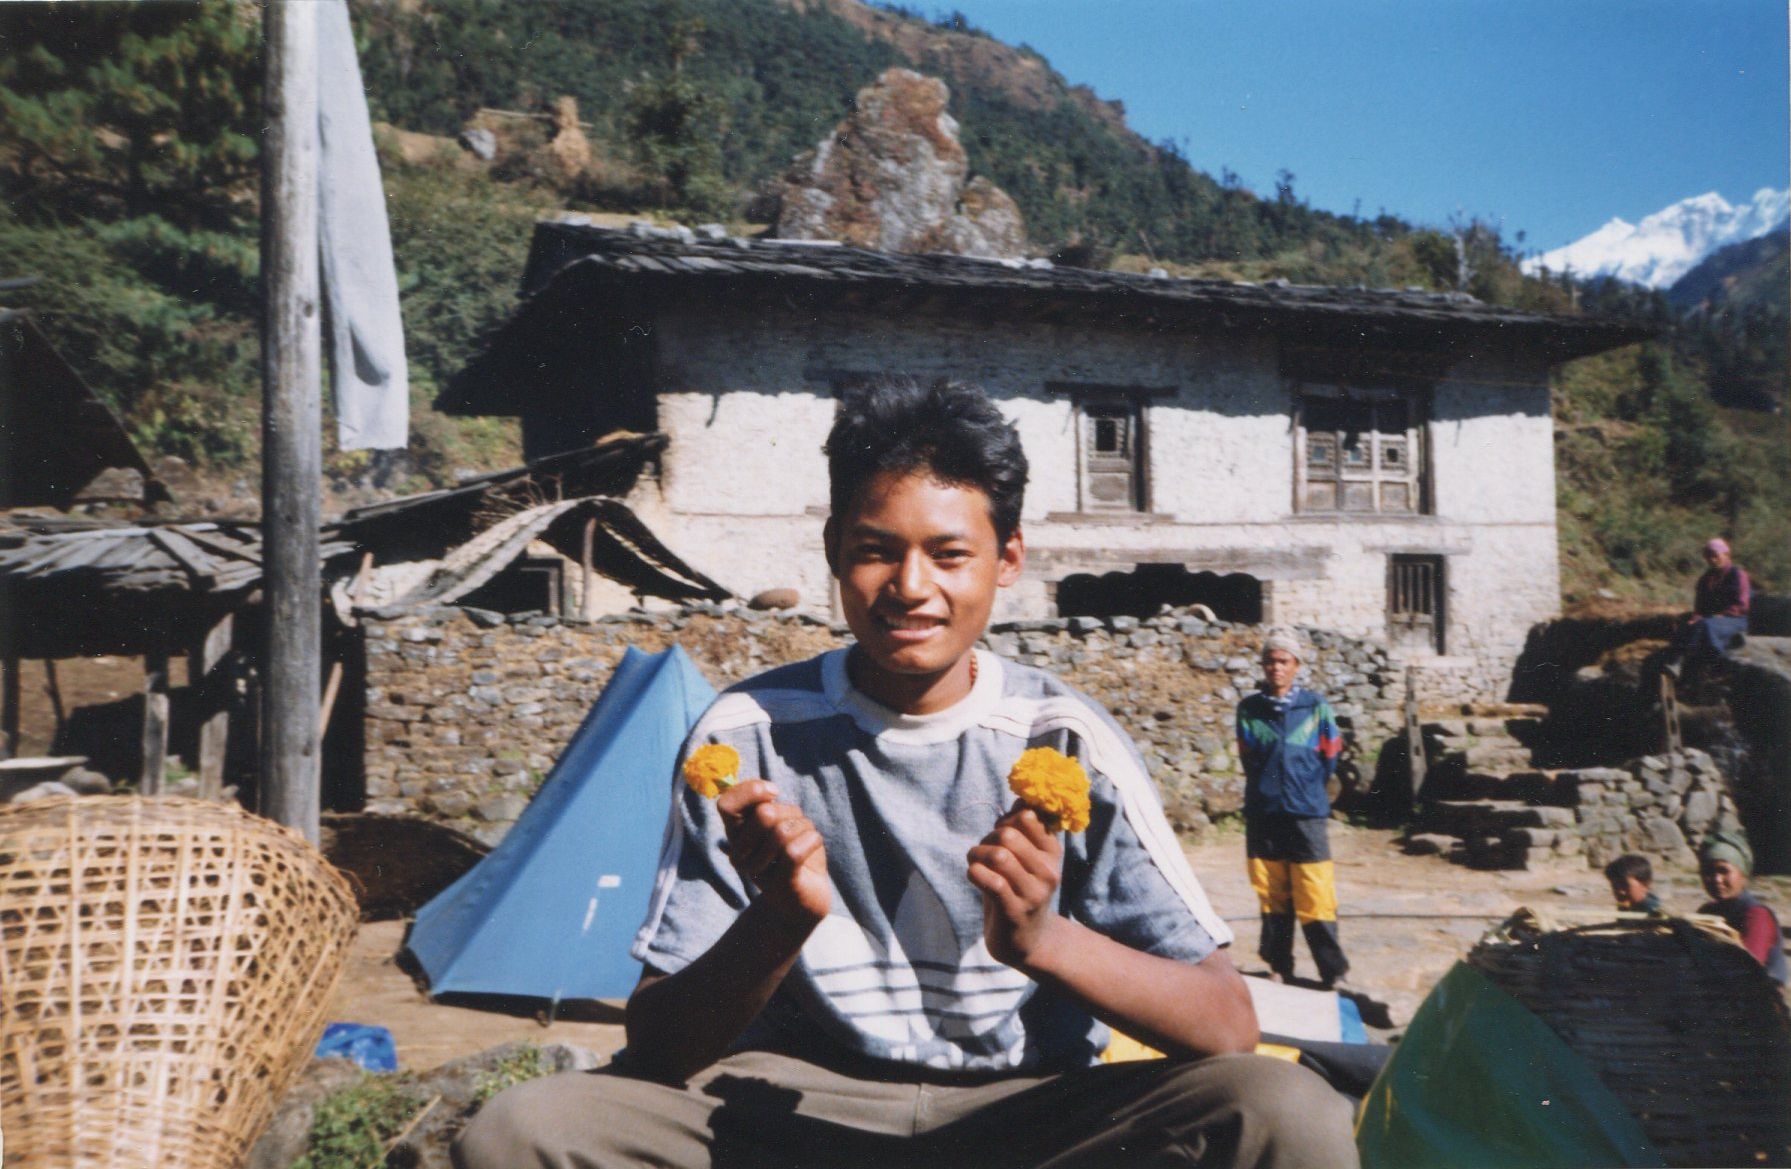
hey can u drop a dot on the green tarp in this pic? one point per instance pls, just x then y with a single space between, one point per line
1479 1082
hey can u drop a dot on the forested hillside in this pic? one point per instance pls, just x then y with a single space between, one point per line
128 158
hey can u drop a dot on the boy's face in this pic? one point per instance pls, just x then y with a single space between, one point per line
1722 880
1629 891
918 564
1278 671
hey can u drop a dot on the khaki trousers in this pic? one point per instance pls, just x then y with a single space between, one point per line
767 1111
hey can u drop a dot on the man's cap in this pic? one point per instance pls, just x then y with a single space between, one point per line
1717 545
1285 640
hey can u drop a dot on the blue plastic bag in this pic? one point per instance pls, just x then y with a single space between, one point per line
368 1046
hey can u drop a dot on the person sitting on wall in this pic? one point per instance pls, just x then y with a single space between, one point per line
1718 619
1725 862
866 953
1289 742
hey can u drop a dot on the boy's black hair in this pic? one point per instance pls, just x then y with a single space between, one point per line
950 430
1630 865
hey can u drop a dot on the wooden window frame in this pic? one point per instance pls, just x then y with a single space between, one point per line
1417 582
1376 474
1133 405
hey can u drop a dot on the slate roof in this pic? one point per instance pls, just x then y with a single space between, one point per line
578 274
70 587
683 255
198 557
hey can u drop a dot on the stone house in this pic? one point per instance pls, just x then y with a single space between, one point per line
1377 462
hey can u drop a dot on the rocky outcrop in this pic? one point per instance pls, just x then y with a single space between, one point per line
894 177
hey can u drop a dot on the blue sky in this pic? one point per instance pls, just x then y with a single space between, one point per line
1550 116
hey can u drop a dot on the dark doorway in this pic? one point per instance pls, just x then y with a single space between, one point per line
1236 596
532 584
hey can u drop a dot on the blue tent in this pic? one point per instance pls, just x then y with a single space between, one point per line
551 912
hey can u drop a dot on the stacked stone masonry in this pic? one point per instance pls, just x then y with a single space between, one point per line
1658 805
467 710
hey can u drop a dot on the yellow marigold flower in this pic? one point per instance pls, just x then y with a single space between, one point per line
1053 785
712 769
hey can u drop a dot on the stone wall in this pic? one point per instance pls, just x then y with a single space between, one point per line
1660 805
467 711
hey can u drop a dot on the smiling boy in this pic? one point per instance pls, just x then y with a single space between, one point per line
865 956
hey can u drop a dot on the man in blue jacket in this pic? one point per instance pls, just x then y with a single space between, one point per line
1289 743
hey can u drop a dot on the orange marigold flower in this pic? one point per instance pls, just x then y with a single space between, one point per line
1053 785
712 769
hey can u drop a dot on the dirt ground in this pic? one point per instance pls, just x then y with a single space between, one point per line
79 682
1405 920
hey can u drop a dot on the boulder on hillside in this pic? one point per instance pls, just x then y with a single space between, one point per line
893 177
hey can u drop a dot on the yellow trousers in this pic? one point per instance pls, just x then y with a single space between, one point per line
1308 889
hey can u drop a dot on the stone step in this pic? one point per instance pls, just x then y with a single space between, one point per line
1527 849
1531 786
1433 844
1470 818
1457 733
1488 757
1535 710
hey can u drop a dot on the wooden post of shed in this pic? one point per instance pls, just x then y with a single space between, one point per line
9 705
587 599
205 680
291 420
155 722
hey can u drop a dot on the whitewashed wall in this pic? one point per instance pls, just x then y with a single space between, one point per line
743 493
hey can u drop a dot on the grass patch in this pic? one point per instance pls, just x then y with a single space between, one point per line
353 1124
526 1063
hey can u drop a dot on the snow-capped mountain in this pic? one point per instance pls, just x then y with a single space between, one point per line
1669 243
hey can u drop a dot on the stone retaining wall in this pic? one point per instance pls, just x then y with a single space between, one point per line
466 710
1660 805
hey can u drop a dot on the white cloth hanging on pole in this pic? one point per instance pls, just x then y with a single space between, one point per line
360 281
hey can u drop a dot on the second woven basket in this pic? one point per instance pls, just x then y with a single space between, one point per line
1679 1020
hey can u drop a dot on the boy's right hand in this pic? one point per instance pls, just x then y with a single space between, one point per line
779 850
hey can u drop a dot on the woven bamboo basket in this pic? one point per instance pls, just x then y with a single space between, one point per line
1679 1021
164 969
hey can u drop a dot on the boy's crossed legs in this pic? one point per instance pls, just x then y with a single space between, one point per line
768 1111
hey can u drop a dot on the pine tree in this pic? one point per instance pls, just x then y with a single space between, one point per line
131 107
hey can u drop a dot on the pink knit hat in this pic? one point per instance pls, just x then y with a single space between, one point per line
1717 545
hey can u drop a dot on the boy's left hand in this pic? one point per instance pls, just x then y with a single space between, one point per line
1017 866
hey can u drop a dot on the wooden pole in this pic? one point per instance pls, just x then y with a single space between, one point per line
333 686
214 725
9 705
291 423
53 687
155 723
1414 733
587 600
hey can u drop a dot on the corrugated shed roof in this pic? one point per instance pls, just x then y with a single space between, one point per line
192 557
